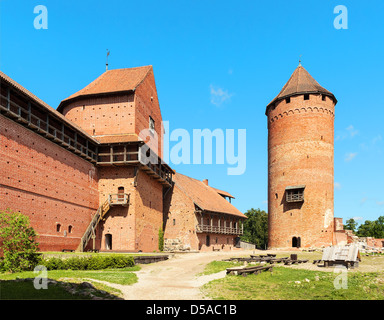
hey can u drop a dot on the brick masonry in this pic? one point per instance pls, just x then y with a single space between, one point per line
103 114
300 152
56 189
126 113
181 219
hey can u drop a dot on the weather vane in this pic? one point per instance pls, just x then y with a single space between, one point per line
106 65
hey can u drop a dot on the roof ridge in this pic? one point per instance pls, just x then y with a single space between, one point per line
204 196
146 74
111 82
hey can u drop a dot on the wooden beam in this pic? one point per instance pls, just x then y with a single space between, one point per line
8 98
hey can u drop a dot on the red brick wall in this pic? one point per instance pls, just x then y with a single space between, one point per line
47 183
300 152
136 226
104 114
120 220
122 113
181 220
223 242
147 105
149 212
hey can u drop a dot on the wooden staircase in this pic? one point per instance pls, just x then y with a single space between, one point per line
112 200
90 231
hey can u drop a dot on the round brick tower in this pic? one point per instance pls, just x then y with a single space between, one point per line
300 164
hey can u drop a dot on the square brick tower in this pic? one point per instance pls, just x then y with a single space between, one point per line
120 109
300 164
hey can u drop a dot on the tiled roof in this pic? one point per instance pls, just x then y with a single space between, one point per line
205 197
116 138
301 82
112 81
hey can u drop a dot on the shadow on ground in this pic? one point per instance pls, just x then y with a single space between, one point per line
24 289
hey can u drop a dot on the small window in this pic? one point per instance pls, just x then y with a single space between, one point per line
306 97
151 125
295 194
69 229
174 222
288 100
323 97
58 227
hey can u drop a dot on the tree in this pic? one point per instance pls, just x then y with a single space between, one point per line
18 242
379 228
365 229
256 228
373 229
351 224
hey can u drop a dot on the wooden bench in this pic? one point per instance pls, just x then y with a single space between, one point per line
243 259
290 261
244 271
277 260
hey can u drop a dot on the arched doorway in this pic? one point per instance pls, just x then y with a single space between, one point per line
108 241
208 241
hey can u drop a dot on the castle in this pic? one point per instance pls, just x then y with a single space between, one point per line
90 174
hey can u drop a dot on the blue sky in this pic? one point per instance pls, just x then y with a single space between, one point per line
218 64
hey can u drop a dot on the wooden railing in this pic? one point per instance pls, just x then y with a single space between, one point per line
42 126
218 229
90 231
118 199
135 154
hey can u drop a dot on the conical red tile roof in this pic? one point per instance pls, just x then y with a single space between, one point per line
301 82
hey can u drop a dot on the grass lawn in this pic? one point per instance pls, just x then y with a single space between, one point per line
10 289
286 283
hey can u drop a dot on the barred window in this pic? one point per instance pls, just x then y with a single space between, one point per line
295 194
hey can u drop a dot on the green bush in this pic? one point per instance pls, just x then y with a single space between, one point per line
18 242
89 263
161 239
53 263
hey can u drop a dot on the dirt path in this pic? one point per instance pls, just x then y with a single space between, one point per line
176 278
